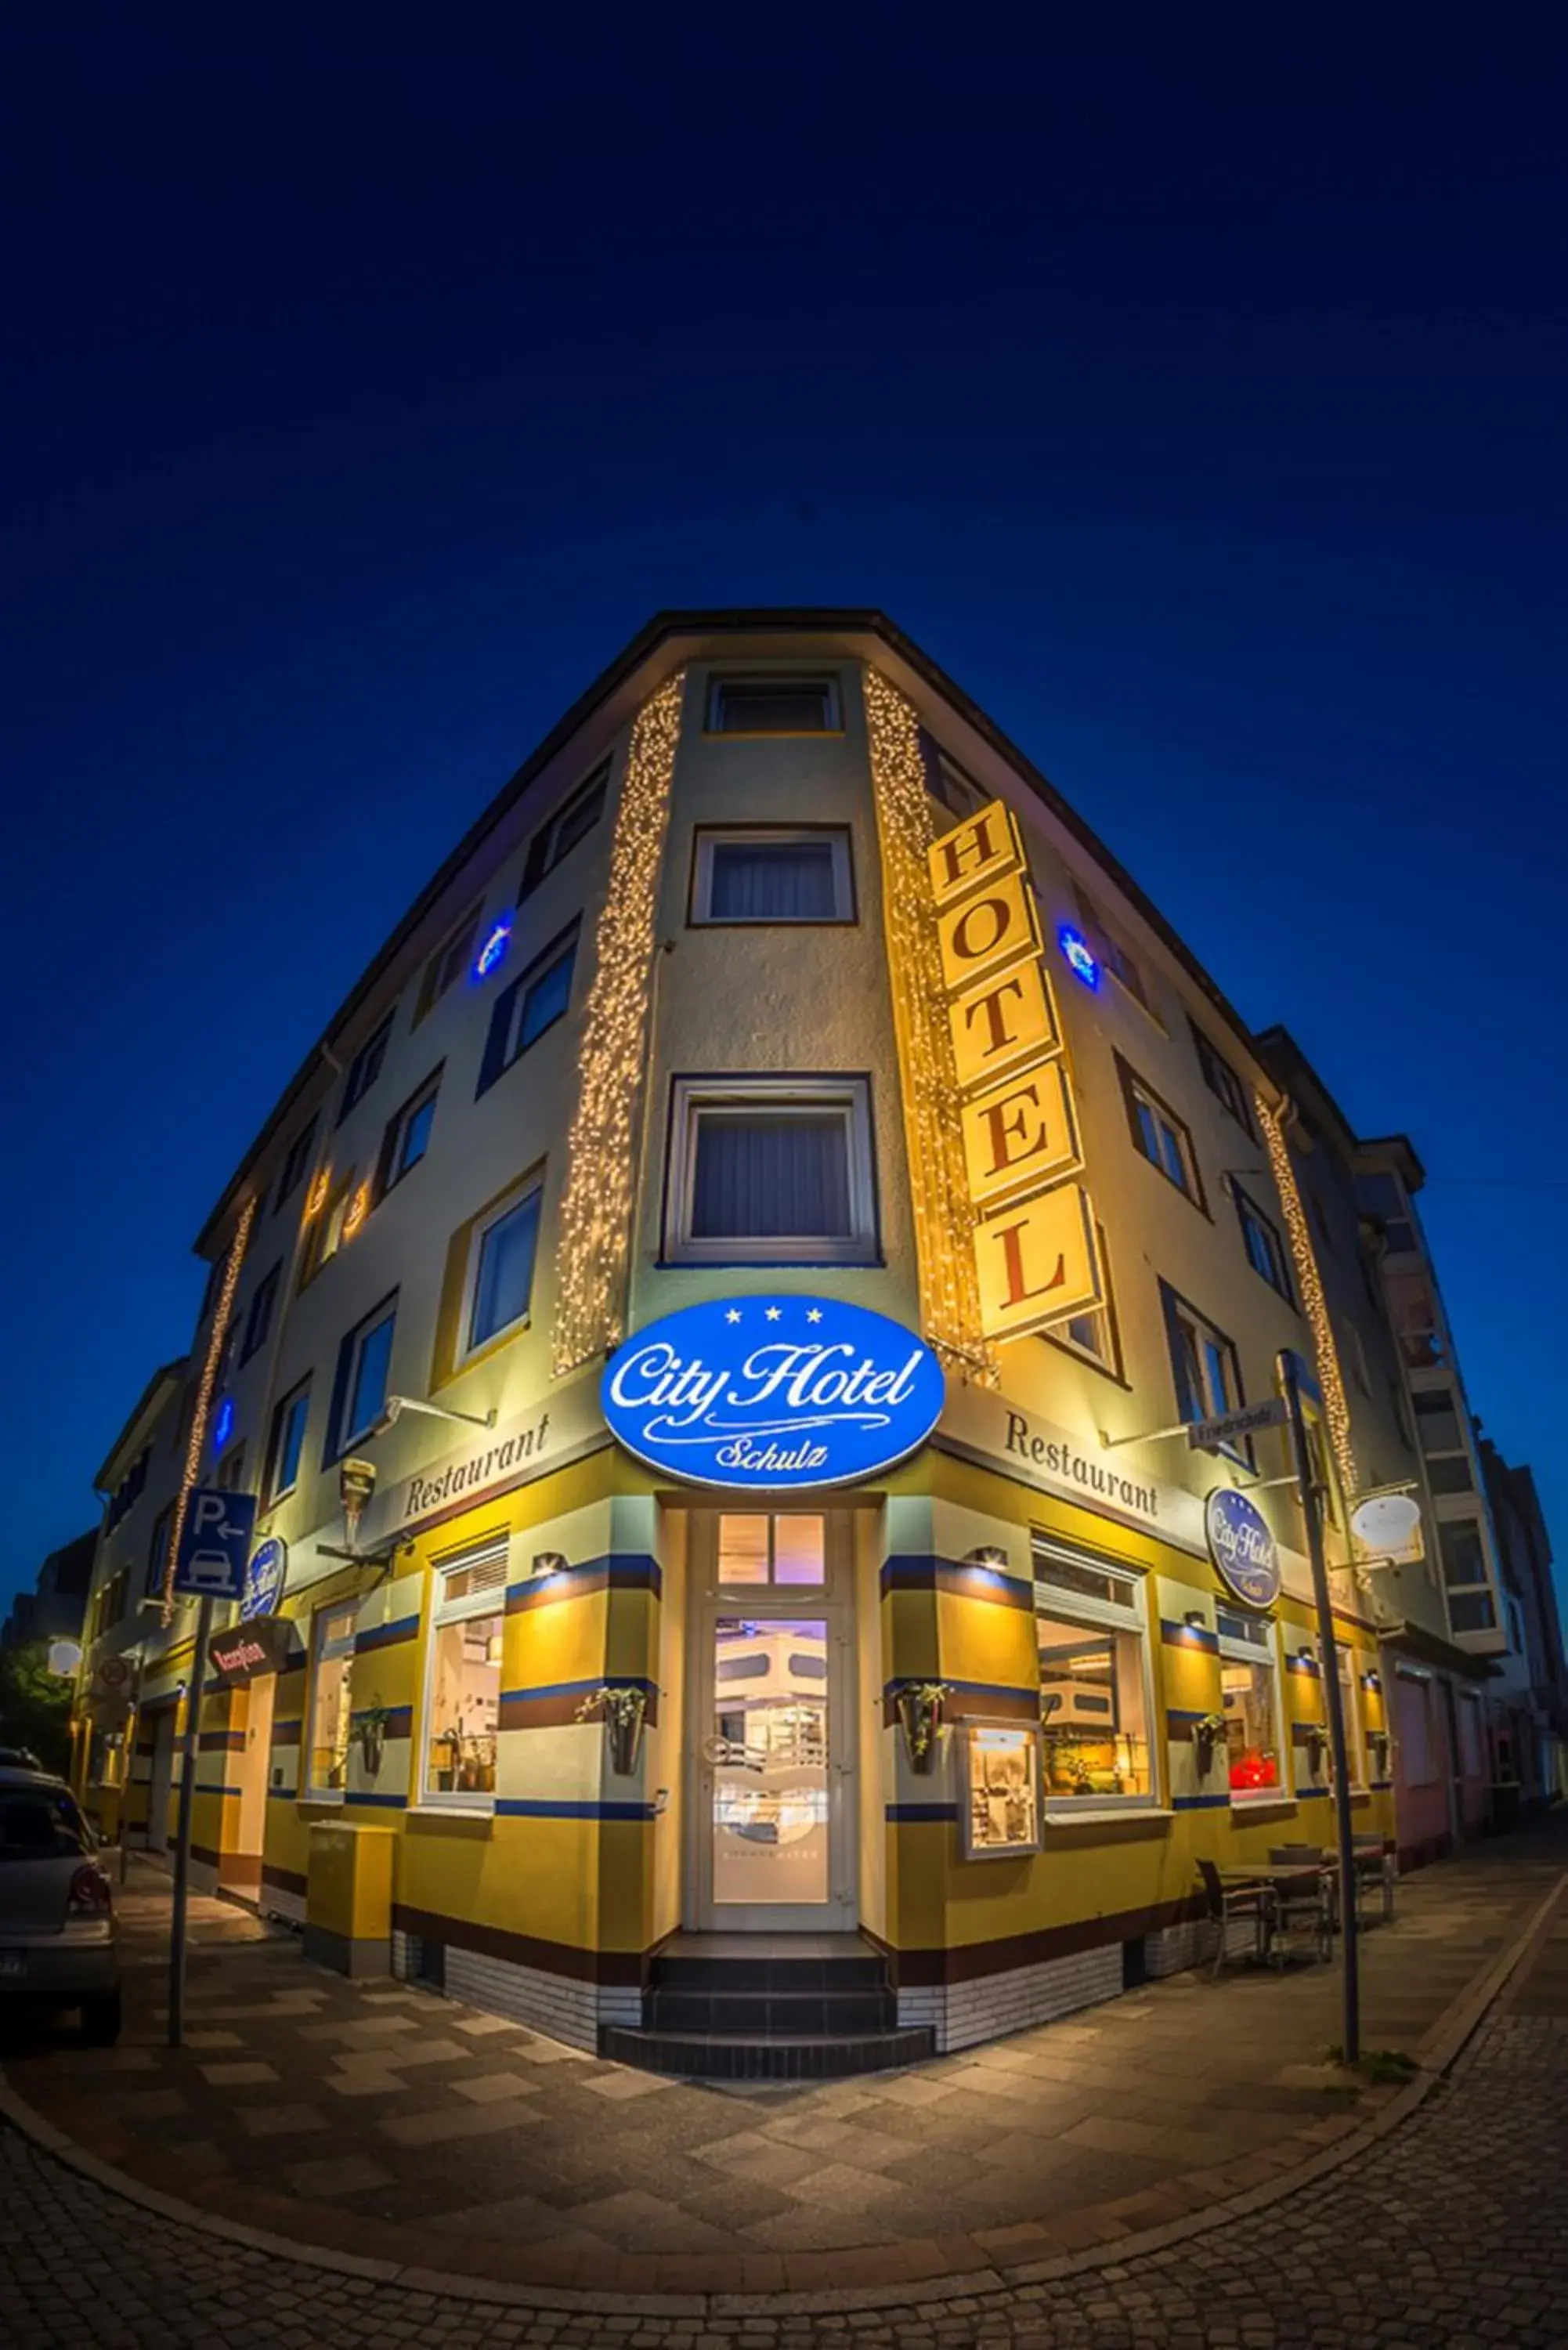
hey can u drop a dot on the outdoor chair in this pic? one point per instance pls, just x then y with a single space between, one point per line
1227 1901
1308 1901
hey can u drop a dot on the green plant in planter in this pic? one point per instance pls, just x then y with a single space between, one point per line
920 1714
624 1711
371 1730
1208 1732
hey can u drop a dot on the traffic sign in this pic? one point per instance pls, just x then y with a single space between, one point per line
1204 1434
214 1544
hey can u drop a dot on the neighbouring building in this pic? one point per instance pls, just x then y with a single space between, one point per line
53 1608
714 1327
1538 1734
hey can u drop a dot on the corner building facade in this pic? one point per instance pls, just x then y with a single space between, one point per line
692 1018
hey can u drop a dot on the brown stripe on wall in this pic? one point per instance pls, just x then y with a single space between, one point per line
521 1950
284 1880
977 1958
556 1709
220 1742
972 1705
204 1854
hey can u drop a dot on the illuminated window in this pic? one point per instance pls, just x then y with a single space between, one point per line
1222 1079
559 834
297 1158
1250 1699
1265 1249
1095 1695
534 1001
771 1170
407 1135
501 1249
462 1687
449 963
1160 1135
782 1549
769 873
366 1067
359 1391
773 705
331 1698
287 1441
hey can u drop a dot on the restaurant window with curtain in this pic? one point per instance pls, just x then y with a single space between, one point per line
1249 1700
462 1680
1094 1697
771 1171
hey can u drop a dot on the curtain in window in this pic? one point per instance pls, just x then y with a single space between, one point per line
774 1175
772 880
505 1270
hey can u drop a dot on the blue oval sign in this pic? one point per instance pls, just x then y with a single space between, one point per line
263 1578
781 1392
1242 1548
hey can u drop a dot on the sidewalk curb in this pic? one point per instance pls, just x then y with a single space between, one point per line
1439 2050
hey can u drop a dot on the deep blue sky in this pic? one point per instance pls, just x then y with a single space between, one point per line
1202 413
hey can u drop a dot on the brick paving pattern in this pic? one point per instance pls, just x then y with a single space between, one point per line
1453 2230
383 2120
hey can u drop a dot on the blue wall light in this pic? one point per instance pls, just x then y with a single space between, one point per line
222 1425
494 952
1076 948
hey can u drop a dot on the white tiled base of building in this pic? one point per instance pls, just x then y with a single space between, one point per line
558 2005
276 1901
1191 1944
962 2014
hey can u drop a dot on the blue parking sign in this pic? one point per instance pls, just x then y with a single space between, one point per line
214 1544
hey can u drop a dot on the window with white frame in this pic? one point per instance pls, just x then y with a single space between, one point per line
787 1548
463 1677
772 874
499 1288
1260 1239
1096 1699
771 1170
1160 1135
1249 1700
533 1002
331 1700
364 1367
1204 1366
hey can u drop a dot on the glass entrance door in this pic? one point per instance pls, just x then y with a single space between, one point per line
772 1772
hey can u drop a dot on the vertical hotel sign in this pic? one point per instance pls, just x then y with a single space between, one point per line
1036 1248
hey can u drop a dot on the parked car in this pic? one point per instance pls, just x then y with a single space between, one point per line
58 1933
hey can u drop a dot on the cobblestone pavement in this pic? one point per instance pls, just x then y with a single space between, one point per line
381 2120
1453 2230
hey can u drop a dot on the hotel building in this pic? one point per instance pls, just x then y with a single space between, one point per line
780 1002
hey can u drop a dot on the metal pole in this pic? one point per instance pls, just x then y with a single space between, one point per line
1291 1389
183 1830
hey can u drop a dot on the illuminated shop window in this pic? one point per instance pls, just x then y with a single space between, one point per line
463 1689
786 1548
1249 1698
331 1699
772 874
1095 1694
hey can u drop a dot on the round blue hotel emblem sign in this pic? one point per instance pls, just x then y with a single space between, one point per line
776 1391
264 1578
1242 1548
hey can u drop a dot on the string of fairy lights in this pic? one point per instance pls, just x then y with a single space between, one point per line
944 1216
198 1438
597 1207
1335 1408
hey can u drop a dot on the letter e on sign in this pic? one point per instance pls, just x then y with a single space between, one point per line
1038 1263
980 849
1008 1023
996 927
1020 1137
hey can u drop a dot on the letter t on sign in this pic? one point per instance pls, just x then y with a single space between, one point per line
980 849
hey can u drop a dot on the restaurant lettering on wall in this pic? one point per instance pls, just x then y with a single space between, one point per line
1036 1244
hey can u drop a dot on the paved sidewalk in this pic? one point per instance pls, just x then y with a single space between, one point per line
1453 2230
383 2120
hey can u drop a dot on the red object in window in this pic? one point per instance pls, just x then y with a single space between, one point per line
1251 1771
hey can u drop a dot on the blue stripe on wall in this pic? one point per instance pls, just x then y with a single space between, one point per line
529 1807
283 1795
924 1571
377 1802
624 1570
902 1814
1189 1636
1199 1803
385 1636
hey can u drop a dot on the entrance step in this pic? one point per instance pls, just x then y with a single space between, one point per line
781 2007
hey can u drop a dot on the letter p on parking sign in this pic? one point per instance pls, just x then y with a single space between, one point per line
214 1544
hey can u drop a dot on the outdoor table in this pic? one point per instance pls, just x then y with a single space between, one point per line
1280 1873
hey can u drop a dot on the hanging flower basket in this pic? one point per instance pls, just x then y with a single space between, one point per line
920 1716
1207 1733
371 1730
624 1711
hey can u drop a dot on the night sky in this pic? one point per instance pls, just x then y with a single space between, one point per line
1201 414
